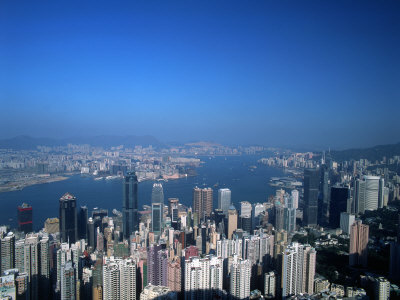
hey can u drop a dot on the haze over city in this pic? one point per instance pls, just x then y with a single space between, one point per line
323 74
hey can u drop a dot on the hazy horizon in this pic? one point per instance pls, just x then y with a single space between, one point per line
304 74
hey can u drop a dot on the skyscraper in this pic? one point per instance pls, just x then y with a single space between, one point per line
367 193
224 200
232 221
82 222
358 252
7 252
311 188
130 205
157 208
24 213
240 275
68 281
31 263
202 202
324 197
68 218
339 202
157 193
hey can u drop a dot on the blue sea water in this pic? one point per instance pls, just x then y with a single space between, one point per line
232 172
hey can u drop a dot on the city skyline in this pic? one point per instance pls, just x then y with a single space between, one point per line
321 74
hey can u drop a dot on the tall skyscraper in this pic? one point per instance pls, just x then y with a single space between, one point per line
31 263
130 205
270 281
245 216
295 197
175 275
358 252
311 189
157 208
111 281
340 197
240 275
68 218
232 221
157 193
24 214
44 270
82 222
202 202
367 193
7 252
224 200
346 220
324 197
128 279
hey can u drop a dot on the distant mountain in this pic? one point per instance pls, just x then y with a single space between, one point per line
372 154
24 142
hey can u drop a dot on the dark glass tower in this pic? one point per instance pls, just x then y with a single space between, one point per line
25 218
130 205
68 219
324 197
82 222
311 189
339 199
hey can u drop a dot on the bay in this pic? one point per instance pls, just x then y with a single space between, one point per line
233 172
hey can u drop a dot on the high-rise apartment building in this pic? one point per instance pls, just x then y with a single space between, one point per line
175 275
24 214
224 200
202 202
203 277
7 251
358 252
270 280
68 218
68 288
130 217
240 276
381 288
311 190
31 263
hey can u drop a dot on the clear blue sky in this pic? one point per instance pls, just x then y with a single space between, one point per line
323 73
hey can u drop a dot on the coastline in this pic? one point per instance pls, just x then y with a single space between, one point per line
17 186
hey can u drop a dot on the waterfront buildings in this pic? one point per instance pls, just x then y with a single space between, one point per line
232 221
202 202
24 215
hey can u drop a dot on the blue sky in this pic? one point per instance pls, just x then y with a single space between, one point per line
323 73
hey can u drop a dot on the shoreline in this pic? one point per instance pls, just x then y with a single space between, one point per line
15 186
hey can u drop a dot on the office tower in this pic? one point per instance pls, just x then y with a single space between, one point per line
297 270
232 221
339 200
381 193
91 233
130 205
381 288
24 213
128 279
346 220
82 222
295 197
270 285
311 188
44 270
358 253
240 275
203 277
202 202
224 200
175 275
279 217
366 193
7 248
157 193
68 218
258 208
323 204
289 217
68 281
157 217
173 209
